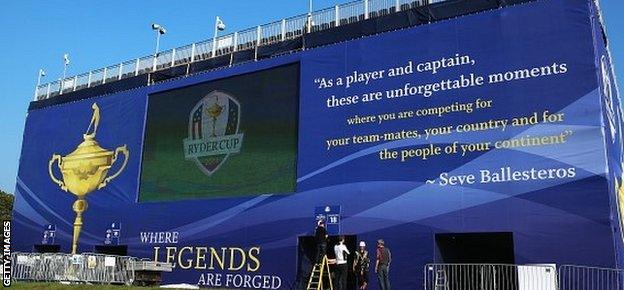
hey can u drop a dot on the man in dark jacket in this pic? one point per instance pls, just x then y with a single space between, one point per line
361 266
321 236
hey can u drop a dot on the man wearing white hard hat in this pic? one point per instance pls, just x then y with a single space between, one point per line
361 266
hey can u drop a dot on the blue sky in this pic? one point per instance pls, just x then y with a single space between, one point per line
36 34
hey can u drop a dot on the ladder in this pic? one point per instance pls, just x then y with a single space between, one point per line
319 272
441 283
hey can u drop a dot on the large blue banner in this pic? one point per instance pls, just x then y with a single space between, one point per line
506 121
612 121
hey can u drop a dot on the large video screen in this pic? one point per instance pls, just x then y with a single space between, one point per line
229 137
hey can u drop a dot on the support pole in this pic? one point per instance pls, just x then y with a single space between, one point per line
156 52
258 32
214 37
39 75
193 52
172 57
234 48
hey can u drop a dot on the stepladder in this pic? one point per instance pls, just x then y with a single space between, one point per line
320 274
441 282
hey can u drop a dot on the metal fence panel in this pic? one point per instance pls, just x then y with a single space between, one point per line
225 44
295 26
82 268
203 50
163 59
381 7
271 33
67 85
128 68
42 92
146 64
183 55
246 39
490 277
572 277
408 4
55 88
352 12
112 73
323 19
97 77
82 81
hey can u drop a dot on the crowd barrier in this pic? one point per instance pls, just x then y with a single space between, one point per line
107 269
521 277
573 277
490 277
83 268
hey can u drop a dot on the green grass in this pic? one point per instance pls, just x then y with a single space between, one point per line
59 286
55 286
264 165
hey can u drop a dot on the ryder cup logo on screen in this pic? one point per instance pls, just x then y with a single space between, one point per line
213 131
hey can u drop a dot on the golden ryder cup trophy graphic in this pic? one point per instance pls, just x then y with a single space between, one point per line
214 111
85 170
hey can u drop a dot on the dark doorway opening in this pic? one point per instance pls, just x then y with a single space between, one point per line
481 248
306 256
480 260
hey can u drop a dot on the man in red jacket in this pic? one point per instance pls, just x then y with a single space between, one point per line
382 265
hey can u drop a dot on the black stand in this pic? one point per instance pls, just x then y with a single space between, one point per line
41 248
121 250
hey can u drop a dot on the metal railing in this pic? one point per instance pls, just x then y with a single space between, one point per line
251 38
490 277
83 268
521 277
572 277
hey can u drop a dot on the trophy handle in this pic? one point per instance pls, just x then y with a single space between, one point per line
126 154
56 158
